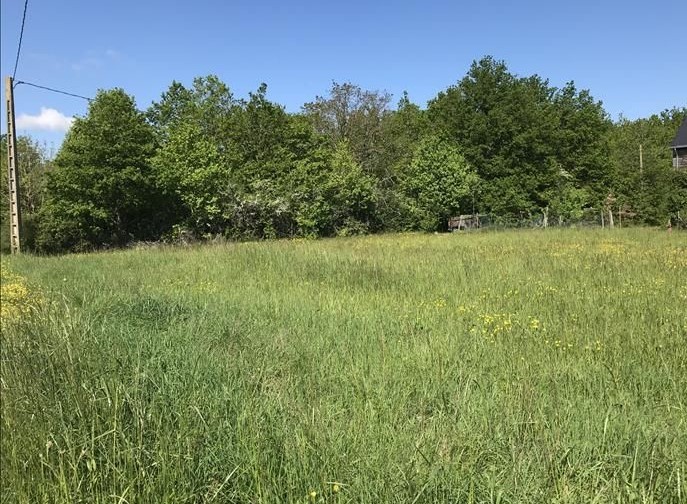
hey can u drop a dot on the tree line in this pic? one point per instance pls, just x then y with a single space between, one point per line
202 163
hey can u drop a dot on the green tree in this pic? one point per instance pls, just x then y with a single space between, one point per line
504 126
101 191
439 184
332 194
677 198
262 136
193 162
580 142
191 172
209 103
520 133
354 115
227 161
653 191
34 164
566 201
351 192
401 132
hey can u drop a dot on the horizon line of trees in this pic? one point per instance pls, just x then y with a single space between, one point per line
201 163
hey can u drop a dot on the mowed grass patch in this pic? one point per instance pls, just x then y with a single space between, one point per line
487 367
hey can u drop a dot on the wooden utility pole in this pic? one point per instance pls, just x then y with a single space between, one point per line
12 169
641 160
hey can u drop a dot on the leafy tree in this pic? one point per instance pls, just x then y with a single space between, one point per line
193 163
504 126
265 210
102 191
354 115
440 183
677 198
566 201
231 177
209 104
351 192
262 135
520 133
175 106
332 194
402 131
191 172
654 191
34 163
580 141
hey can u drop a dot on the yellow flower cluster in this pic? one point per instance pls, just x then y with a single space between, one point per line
612 248
559 344
565 250
542 289
676 258
488 325
16 297
579 257
439 303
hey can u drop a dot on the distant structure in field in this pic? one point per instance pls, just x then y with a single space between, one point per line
679 146
464 222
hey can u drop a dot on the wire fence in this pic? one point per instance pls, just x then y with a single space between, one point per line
591 218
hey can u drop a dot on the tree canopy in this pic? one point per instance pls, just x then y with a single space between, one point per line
201 162
101 191
521 134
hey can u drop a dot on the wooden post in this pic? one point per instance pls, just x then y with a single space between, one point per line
608 206
12 169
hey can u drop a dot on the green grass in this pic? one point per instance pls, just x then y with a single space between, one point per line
490 367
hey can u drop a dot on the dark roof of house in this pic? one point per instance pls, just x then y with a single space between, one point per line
681 137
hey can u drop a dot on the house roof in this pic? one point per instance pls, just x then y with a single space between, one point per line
681 137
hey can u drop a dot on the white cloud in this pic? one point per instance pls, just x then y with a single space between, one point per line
49 120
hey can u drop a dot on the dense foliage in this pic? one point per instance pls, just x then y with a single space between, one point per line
201 163
33 166
648 188
101 191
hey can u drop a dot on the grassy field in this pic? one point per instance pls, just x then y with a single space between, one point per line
533 366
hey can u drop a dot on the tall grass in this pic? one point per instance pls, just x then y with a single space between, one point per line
499 367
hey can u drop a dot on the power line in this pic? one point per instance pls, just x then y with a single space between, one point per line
53 90
21 36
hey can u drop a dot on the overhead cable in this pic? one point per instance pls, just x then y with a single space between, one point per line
53 90
21 36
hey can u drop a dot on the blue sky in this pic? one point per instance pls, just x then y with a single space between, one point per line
630 54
